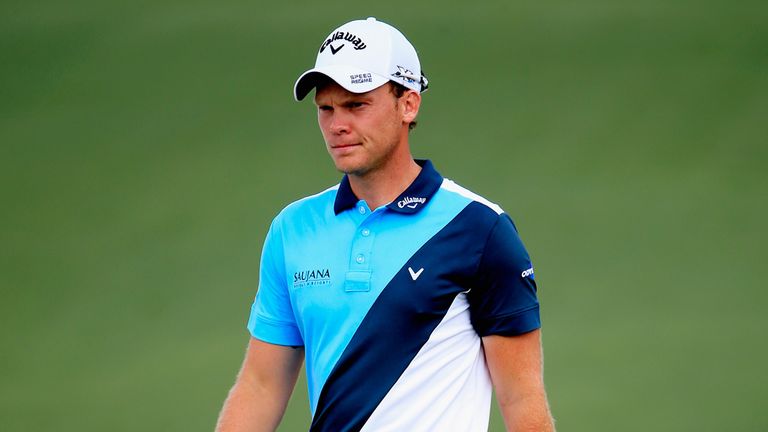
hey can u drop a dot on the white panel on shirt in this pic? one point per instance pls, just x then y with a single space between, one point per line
446 387
450 185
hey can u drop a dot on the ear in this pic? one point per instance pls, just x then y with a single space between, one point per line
411 102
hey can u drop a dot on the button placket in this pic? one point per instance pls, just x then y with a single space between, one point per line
358 277
362 243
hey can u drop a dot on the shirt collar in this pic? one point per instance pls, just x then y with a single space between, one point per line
413 198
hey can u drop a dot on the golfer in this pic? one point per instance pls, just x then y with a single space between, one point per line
409 298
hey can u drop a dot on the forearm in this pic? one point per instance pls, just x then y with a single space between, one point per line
527 413
263 387
250 408
515 364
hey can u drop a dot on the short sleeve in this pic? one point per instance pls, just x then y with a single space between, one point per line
272 319
504 301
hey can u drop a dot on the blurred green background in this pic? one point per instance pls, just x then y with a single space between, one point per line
145 147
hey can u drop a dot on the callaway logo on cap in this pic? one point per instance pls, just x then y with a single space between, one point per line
363 55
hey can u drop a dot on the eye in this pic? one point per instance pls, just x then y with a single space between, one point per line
325 108
355 104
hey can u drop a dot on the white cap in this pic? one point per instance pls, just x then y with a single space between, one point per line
363 55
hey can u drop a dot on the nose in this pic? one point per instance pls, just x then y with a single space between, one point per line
339 123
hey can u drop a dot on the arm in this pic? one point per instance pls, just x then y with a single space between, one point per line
258 399
515 364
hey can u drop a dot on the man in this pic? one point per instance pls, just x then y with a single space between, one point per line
408 296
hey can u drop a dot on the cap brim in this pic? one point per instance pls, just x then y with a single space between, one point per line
353 79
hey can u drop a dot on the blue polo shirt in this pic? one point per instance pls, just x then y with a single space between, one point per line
390 303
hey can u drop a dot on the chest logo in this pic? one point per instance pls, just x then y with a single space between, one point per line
312 277
415 275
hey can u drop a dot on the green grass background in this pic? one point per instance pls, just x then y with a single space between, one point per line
145 147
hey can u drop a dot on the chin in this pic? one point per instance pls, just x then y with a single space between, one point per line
351 169
349 166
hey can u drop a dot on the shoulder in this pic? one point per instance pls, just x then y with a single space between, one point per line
459 192
312 206
478 216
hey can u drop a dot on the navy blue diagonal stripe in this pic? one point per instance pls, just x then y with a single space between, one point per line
401 320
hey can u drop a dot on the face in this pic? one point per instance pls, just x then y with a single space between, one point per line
363 132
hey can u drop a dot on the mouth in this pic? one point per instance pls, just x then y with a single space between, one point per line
344 149
343 146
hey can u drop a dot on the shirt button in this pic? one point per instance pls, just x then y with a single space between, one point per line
361 209
360 259
365 232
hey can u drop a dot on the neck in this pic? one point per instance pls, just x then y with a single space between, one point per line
380 187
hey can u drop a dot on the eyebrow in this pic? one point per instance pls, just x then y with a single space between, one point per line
347 100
